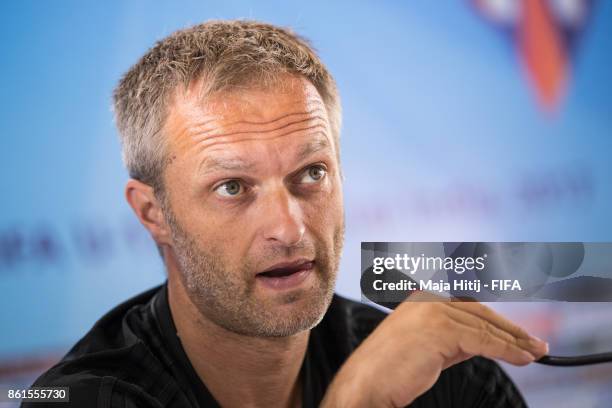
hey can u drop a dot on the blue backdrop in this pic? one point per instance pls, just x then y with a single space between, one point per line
443 140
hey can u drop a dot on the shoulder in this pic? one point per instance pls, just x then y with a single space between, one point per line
114 363
94 389
123 326
82 388
119 378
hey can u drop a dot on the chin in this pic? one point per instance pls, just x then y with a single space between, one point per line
294 312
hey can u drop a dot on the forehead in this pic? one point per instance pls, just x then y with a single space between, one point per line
291 105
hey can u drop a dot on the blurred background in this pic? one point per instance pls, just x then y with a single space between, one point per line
463 121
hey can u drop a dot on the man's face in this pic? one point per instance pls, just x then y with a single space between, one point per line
254 203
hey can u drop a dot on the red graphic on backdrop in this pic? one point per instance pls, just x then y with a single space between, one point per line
544 33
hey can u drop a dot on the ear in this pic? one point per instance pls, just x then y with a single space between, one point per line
147 208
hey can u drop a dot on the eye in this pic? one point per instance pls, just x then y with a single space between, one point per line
313 174
230 188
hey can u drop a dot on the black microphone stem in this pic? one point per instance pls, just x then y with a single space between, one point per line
572 361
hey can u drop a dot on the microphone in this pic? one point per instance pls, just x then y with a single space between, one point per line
537 263
573 361
560 260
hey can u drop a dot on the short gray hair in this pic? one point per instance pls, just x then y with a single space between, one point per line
224 54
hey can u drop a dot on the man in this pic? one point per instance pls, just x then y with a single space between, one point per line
230 132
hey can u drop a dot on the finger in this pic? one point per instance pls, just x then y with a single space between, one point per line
483 342
501 327
530 345
486 313
536 345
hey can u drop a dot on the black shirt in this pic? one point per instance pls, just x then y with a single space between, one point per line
132 357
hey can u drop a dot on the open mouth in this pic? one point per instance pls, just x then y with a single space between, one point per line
283 271
286 275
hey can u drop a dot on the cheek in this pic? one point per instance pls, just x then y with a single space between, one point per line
215 232
226 237
326 212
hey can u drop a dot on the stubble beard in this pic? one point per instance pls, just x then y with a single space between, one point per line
227 297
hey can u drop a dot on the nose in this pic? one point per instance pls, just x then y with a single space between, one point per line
283 218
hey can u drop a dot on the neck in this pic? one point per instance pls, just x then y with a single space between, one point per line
238 370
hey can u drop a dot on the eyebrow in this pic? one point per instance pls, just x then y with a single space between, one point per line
235 164
311 148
